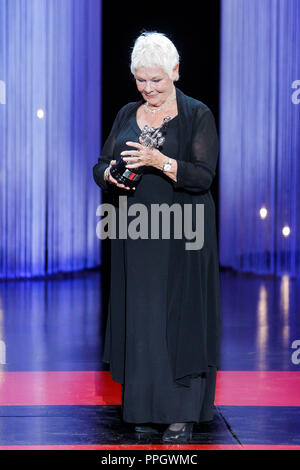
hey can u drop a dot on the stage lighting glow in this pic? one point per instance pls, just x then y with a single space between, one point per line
286 231
263 213
40 113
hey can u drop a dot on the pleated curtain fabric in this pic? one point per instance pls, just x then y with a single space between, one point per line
50 62
260 136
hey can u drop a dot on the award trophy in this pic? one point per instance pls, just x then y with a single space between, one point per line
151 138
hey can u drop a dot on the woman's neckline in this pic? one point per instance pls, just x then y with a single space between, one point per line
157 126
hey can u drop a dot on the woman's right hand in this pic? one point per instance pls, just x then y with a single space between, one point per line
112 180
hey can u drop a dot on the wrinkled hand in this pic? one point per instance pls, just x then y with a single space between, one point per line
143 156
112 180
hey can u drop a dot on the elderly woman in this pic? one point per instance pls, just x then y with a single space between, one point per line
163 326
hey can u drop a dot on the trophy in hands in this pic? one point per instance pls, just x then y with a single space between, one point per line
152 138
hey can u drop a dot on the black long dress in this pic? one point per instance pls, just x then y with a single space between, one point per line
149 393
167 366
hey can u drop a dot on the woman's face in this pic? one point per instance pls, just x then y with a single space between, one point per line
154 84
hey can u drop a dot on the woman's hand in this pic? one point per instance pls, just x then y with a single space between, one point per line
143 156
112 180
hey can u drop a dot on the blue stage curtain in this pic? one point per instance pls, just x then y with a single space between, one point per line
260 136
50 60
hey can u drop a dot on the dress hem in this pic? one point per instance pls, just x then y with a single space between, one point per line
172 420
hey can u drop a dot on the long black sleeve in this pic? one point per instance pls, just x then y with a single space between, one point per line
198 174
107 153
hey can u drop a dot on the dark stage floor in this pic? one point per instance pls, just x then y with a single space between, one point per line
55 392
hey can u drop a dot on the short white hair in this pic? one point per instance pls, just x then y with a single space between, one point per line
154 49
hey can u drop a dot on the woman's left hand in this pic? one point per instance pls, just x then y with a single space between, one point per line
143 156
